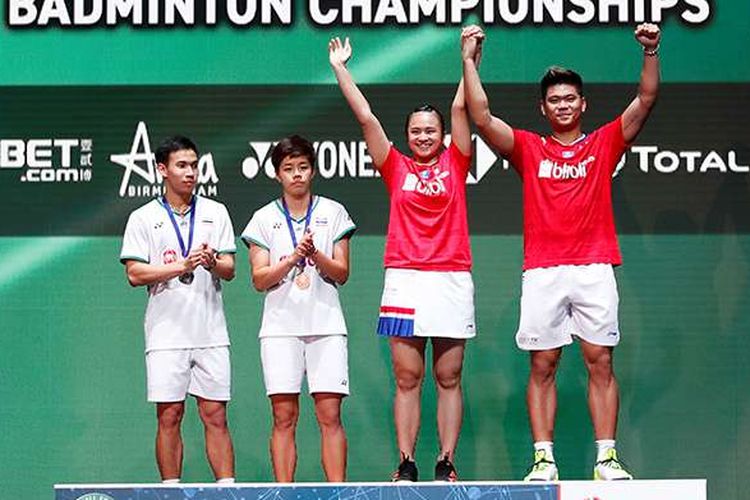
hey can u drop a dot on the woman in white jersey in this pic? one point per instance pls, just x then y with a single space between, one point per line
299 254
428 290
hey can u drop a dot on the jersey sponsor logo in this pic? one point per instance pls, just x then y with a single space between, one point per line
432 186
321 221
350 159
49 160
141 162
549 169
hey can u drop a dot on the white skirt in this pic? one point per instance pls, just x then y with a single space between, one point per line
427 304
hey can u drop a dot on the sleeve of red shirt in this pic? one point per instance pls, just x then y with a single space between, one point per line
460 160
521 139
614 137
386 169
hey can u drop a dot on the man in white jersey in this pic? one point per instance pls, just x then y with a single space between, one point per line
299 255
181 246
570 243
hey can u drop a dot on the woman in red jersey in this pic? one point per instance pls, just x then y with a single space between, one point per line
428 290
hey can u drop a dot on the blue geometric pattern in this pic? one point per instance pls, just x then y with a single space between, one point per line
354 491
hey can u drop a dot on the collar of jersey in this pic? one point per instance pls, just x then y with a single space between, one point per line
161 201
583 136
278 204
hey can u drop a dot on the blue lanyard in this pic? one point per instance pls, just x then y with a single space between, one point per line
184 250
288 217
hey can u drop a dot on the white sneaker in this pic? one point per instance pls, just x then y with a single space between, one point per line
609 468
543 468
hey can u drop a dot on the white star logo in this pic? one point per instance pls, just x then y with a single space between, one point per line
140 151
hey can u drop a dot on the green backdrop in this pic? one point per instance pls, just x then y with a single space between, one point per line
72 388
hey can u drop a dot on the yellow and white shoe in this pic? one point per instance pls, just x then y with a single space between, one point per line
609 468
543 468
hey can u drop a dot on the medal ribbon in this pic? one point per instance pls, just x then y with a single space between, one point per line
183 249
288 217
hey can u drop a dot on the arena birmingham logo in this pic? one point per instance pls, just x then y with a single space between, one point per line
340 159
49 160
141 161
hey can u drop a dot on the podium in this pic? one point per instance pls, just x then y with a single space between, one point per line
692 489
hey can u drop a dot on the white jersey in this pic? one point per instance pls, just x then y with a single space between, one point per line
288 309
178 315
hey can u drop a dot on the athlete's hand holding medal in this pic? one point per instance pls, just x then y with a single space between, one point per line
304 249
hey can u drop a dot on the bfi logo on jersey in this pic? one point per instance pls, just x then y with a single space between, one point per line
350 159
49 160
148 182
549 169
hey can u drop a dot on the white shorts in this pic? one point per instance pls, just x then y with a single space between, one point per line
172 374
427 304
558 303
323 358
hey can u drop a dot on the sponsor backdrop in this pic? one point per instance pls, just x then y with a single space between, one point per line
83 103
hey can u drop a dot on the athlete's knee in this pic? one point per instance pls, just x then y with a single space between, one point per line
600 367
328 415
409 379
448 378
544 366
213 415
169 416
285 417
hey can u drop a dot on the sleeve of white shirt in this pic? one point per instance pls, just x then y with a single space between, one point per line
135 241
226 233
255 232
343 225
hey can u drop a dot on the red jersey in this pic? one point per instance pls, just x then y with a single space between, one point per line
567 197
427 228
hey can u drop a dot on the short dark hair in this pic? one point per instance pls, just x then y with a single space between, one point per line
425 108
293 146
556 75
172 144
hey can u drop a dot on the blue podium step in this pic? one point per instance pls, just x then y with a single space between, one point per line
563 490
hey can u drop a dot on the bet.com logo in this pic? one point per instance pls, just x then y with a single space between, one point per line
350 159
48 160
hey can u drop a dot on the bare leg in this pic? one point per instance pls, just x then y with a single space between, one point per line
169 439
447 362
332 435
604 397
408 367
541 394
219 448
283 447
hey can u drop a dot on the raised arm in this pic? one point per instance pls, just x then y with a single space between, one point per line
460 129
496 131
635 115
377 142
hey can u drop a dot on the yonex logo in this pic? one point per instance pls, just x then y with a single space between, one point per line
350 159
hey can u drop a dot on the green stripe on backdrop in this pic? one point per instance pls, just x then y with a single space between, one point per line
297 54
73 390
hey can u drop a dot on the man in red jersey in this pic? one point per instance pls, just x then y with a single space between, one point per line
570 245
